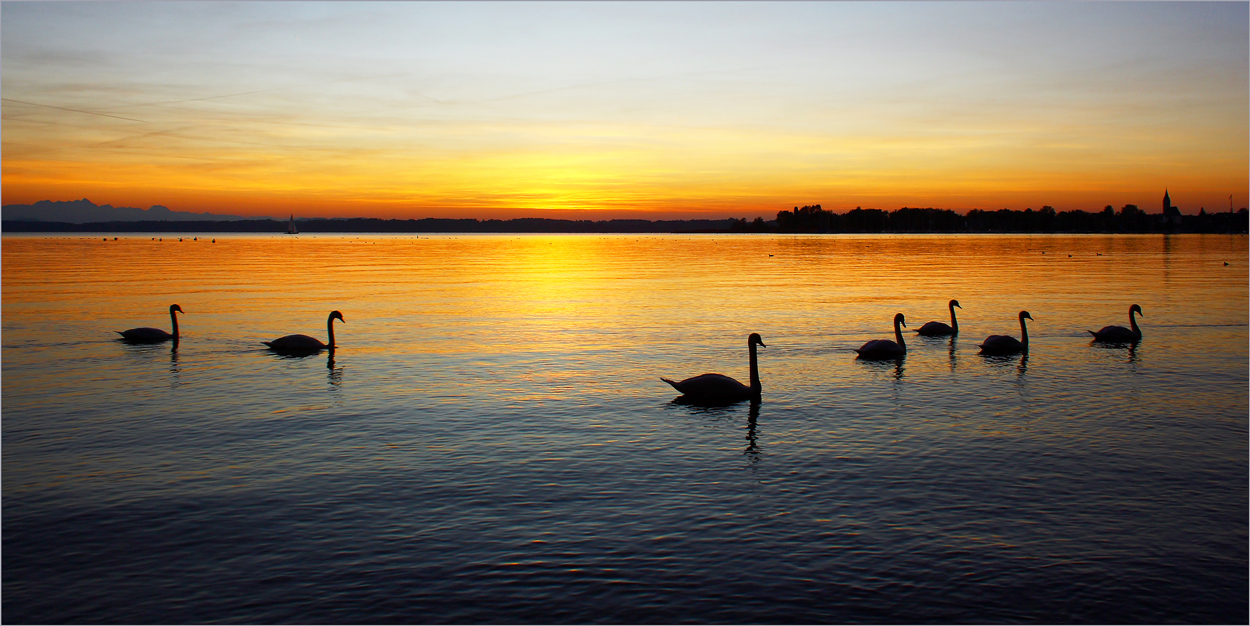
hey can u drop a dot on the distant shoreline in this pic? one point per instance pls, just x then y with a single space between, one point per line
374 225
804 220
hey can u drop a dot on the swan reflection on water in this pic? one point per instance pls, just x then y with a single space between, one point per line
149 349
173 360
334 371
950 341
752 452
335 374
1020 360
1117 349
726 411
897 365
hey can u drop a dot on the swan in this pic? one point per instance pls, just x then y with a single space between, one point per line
153 335
721 388
1005 344
1120 334
884 348
304 343
938 329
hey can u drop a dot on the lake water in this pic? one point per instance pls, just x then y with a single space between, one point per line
491 442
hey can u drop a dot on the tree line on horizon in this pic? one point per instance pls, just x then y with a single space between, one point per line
806 219
1129 219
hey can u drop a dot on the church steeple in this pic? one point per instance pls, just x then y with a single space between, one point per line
1167 202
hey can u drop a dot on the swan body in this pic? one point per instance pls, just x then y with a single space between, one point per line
294 344
721 388
1006 344
938 329
884 348
153 335
1120 334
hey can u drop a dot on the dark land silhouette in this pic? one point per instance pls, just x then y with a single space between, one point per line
807 219
1129 219
83 211
375 225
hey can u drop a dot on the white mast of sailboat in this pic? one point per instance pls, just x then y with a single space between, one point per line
290 227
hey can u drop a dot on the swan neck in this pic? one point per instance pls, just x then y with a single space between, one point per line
954 324
898 335
1024 332
173 316
756 388
1132 321
330 329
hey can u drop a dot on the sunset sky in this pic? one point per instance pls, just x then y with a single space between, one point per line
599 109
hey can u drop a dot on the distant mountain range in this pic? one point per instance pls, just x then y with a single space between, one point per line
84 211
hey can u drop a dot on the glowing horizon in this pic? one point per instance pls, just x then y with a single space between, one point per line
603 110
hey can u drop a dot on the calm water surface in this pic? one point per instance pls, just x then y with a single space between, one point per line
491 441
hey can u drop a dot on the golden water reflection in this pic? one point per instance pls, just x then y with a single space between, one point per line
534 318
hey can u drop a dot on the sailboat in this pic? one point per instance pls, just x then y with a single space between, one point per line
290 227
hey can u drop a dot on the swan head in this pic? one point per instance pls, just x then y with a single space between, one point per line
174 307
1024 315
954 303
1136 308
898 319
755 339
335 315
